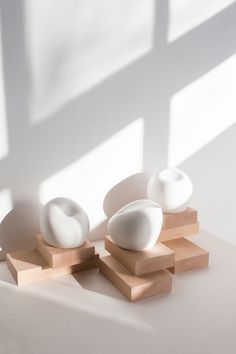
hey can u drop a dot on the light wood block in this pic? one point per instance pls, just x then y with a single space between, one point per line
63 257
142 262
188 256
178 232
134 288
186 217
28 266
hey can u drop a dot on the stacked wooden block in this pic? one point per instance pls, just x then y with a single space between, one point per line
175 229
139 274
46 262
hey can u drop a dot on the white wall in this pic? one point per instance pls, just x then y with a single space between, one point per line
97 91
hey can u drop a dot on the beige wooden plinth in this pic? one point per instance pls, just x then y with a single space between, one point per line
188 256
63 257
28 266
187 217
178 232
142 262
133 287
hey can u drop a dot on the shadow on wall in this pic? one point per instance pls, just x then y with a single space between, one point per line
33 156
141 89
18 227
213 172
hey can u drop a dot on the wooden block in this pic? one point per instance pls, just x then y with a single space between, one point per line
28 266
142 262
186 217
63 257
178 232
134 288
188 256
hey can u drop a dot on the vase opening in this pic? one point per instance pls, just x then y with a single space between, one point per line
69 210
170 175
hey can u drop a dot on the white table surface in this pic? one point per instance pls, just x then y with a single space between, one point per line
65 316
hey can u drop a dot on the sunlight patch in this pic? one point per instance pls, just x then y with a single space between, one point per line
81 43
186 15
202 111
88 179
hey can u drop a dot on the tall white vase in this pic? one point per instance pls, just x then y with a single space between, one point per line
172 189
137 225
64 223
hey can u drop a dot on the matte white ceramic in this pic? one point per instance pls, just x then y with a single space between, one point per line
129 189
172 189
137 225
64 223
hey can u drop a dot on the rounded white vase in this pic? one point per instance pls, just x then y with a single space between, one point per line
126 191
172 189
137 225
64 223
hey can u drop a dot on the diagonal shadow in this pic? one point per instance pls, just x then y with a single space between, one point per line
143 88
200 50
134 91
213 177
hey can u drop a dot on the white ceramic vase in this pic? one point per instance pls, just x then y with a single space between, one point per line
64 223
172 189
126 191
137 225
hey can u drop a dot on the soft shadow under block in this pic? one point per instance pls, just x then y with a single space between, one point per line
142 262
133 287
28 266
188 256
63 257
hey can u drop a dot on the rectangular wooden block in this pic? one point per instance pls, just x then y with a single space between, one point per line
142 262
63 257
188 256
134 288
186 217
178 232
28 266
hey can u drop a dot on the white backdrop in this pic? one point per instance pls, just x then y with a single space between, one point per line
92 92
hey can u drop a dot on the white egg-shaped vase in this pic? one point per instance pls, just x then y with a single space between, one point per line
137 225
171 189
64 223
126 191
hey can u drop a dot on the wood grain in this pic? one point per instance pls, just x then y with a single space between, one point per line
188 256
28 267
142 262
63 257
178 232
133 287
186 217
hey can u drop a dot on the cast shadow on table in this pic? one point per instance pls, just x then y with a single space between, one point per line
93 280
82 325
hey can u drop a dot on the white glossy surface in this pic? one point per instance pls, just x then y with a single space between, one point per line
172 189
64 223
64 316
137 225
